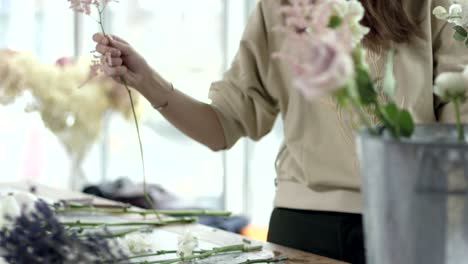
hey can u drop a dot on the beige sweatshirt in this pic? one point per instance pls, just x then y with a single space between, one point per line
317 167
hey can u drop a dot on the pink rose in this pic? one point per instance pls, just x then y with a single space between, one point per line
319 65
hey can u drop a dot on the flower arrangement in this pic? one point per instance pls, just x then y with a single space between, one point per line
412 180
323 50
74 115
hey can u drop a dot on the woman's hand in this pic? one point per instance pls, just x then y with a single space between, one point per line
126 64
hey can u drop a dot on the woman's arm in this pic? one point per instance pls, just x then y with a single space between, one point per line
196 119
242 104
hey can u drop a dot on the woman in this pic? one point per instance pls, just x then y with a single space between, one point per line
318 201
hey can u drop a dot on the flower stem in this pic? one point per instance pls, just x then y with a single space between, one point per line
142 157
158 253
118 234
88 209
184 220
207 254
363 116
145 193
269 260
460 128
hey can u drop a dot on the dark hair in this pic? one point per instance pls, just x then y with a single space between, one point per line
388 22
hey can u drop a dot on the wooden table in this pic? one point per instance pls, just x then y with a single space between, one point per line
204 233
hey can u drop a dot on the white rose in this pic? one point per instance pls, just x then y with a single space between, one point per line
140 242
352 12
187 244
451 84
458 13
456 10
357 12
9 208
440 12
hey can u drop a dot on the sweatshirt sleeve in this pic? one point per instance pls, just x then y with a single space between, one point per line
241 100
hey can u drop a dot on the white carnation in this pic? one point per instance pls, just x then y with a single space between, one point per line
451 84
457 13
440 12
9 209
353 12
187 244
140 242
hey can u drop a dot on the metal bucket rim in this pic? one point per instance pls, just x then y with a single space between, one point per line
452 144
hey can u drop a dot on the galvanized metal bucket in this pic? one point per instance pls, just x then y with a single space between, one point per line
415 197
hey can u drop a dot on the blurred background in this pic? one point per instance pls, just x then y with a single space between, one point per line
191 43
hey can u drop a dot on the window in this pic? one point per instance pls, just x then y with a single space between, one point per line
190 44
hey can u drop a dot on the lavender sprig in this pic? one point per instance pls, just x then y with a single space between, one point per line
38 237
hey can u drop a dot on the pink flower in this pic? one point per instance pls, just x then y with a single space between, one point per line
84 6
100 62
307 15
320 56
64 61
320 65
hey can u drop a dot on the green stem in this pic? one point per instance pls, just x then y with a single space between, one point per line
157 253
145 193
207 254
269 260
363 116
460 129
142 157
185 220
117 234
124 211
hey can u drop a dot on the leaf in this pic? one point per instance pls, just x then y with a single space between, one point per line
342 96
365 87
389 81
390 114
460 33
406 124
399 122
458 37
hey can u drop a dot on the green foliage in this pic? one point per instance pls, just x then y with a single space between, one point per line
460 33
398 121
335 22
365 87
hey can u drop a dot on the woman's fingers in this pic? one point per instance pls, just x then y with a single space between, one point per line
100 38
116 72
113 44
104 49
116 62
123 47
120 74
116 38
